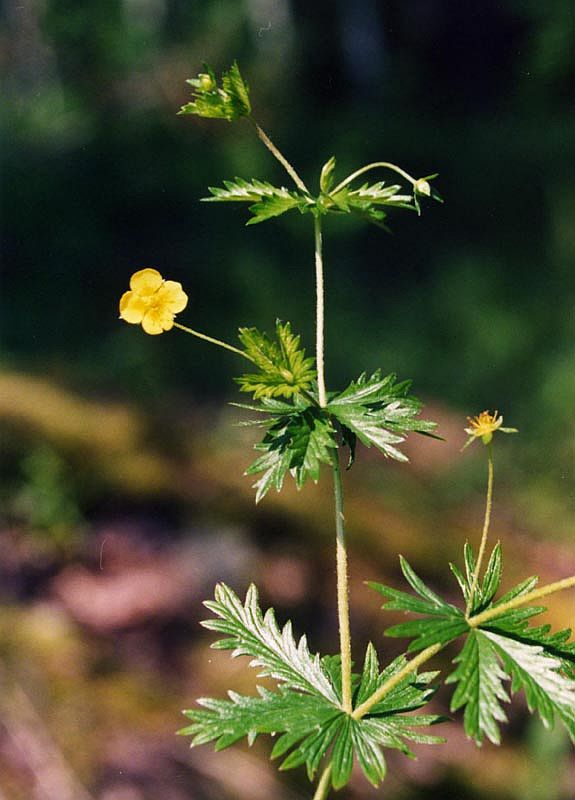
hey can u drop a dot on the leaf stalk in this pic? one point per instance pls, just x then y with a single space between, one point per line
323 785
536 594
280 157
395 679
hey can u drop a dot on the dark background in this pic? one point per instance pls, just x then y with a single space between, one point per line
119 461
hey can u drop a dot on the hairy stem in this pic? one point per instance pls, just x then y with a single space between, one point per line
323 785
280 157
486 521
395 679
375 165
319 308
212 340
342 588
536 594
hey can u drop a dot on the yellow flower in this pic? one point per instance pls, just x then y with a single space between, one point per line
483 426
152 301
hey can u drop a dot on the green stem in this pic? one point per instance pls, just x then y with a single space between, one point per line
320 315
536 594
323 785
212 340
392 682
486 521
280 157
342 588
375 165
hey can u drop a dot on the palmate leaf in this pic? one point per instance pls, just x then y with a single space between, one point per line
284 369
305 711
230 100
266 200
387 725
297 443
503 648
379 412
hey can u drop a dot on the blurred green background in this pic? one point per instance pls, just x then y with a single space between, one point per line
121 492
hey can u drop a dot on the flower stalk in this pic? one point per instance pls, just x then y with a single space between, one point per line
485 531
211 340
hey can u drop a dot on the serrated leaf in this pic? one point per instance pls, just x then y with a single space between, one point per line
266 200
230 100
284 369
238 91
480 688
272 650
427 632
342 754
517 591
486 588
306 721
378 411
492 577
327 175
547 690
297 443
269 207
309 725
441 623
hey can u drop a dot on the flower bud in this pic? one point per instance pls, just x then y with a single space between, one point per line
205 82
422 187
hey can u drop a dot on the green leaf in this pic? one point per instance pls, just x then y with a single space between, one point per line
266 200
327 175
230 100
297 443
546 689
305 711
369 200
297 716
249 632
492 577
441 622
379 412
342 755
284 370
480 688
485 589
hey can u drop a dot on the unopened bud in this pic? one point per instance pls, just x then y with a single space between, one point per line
422 187
206 82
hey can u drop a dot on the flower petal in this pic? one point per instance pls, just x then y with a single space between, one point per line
172 296
132 308
146 281
157 320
